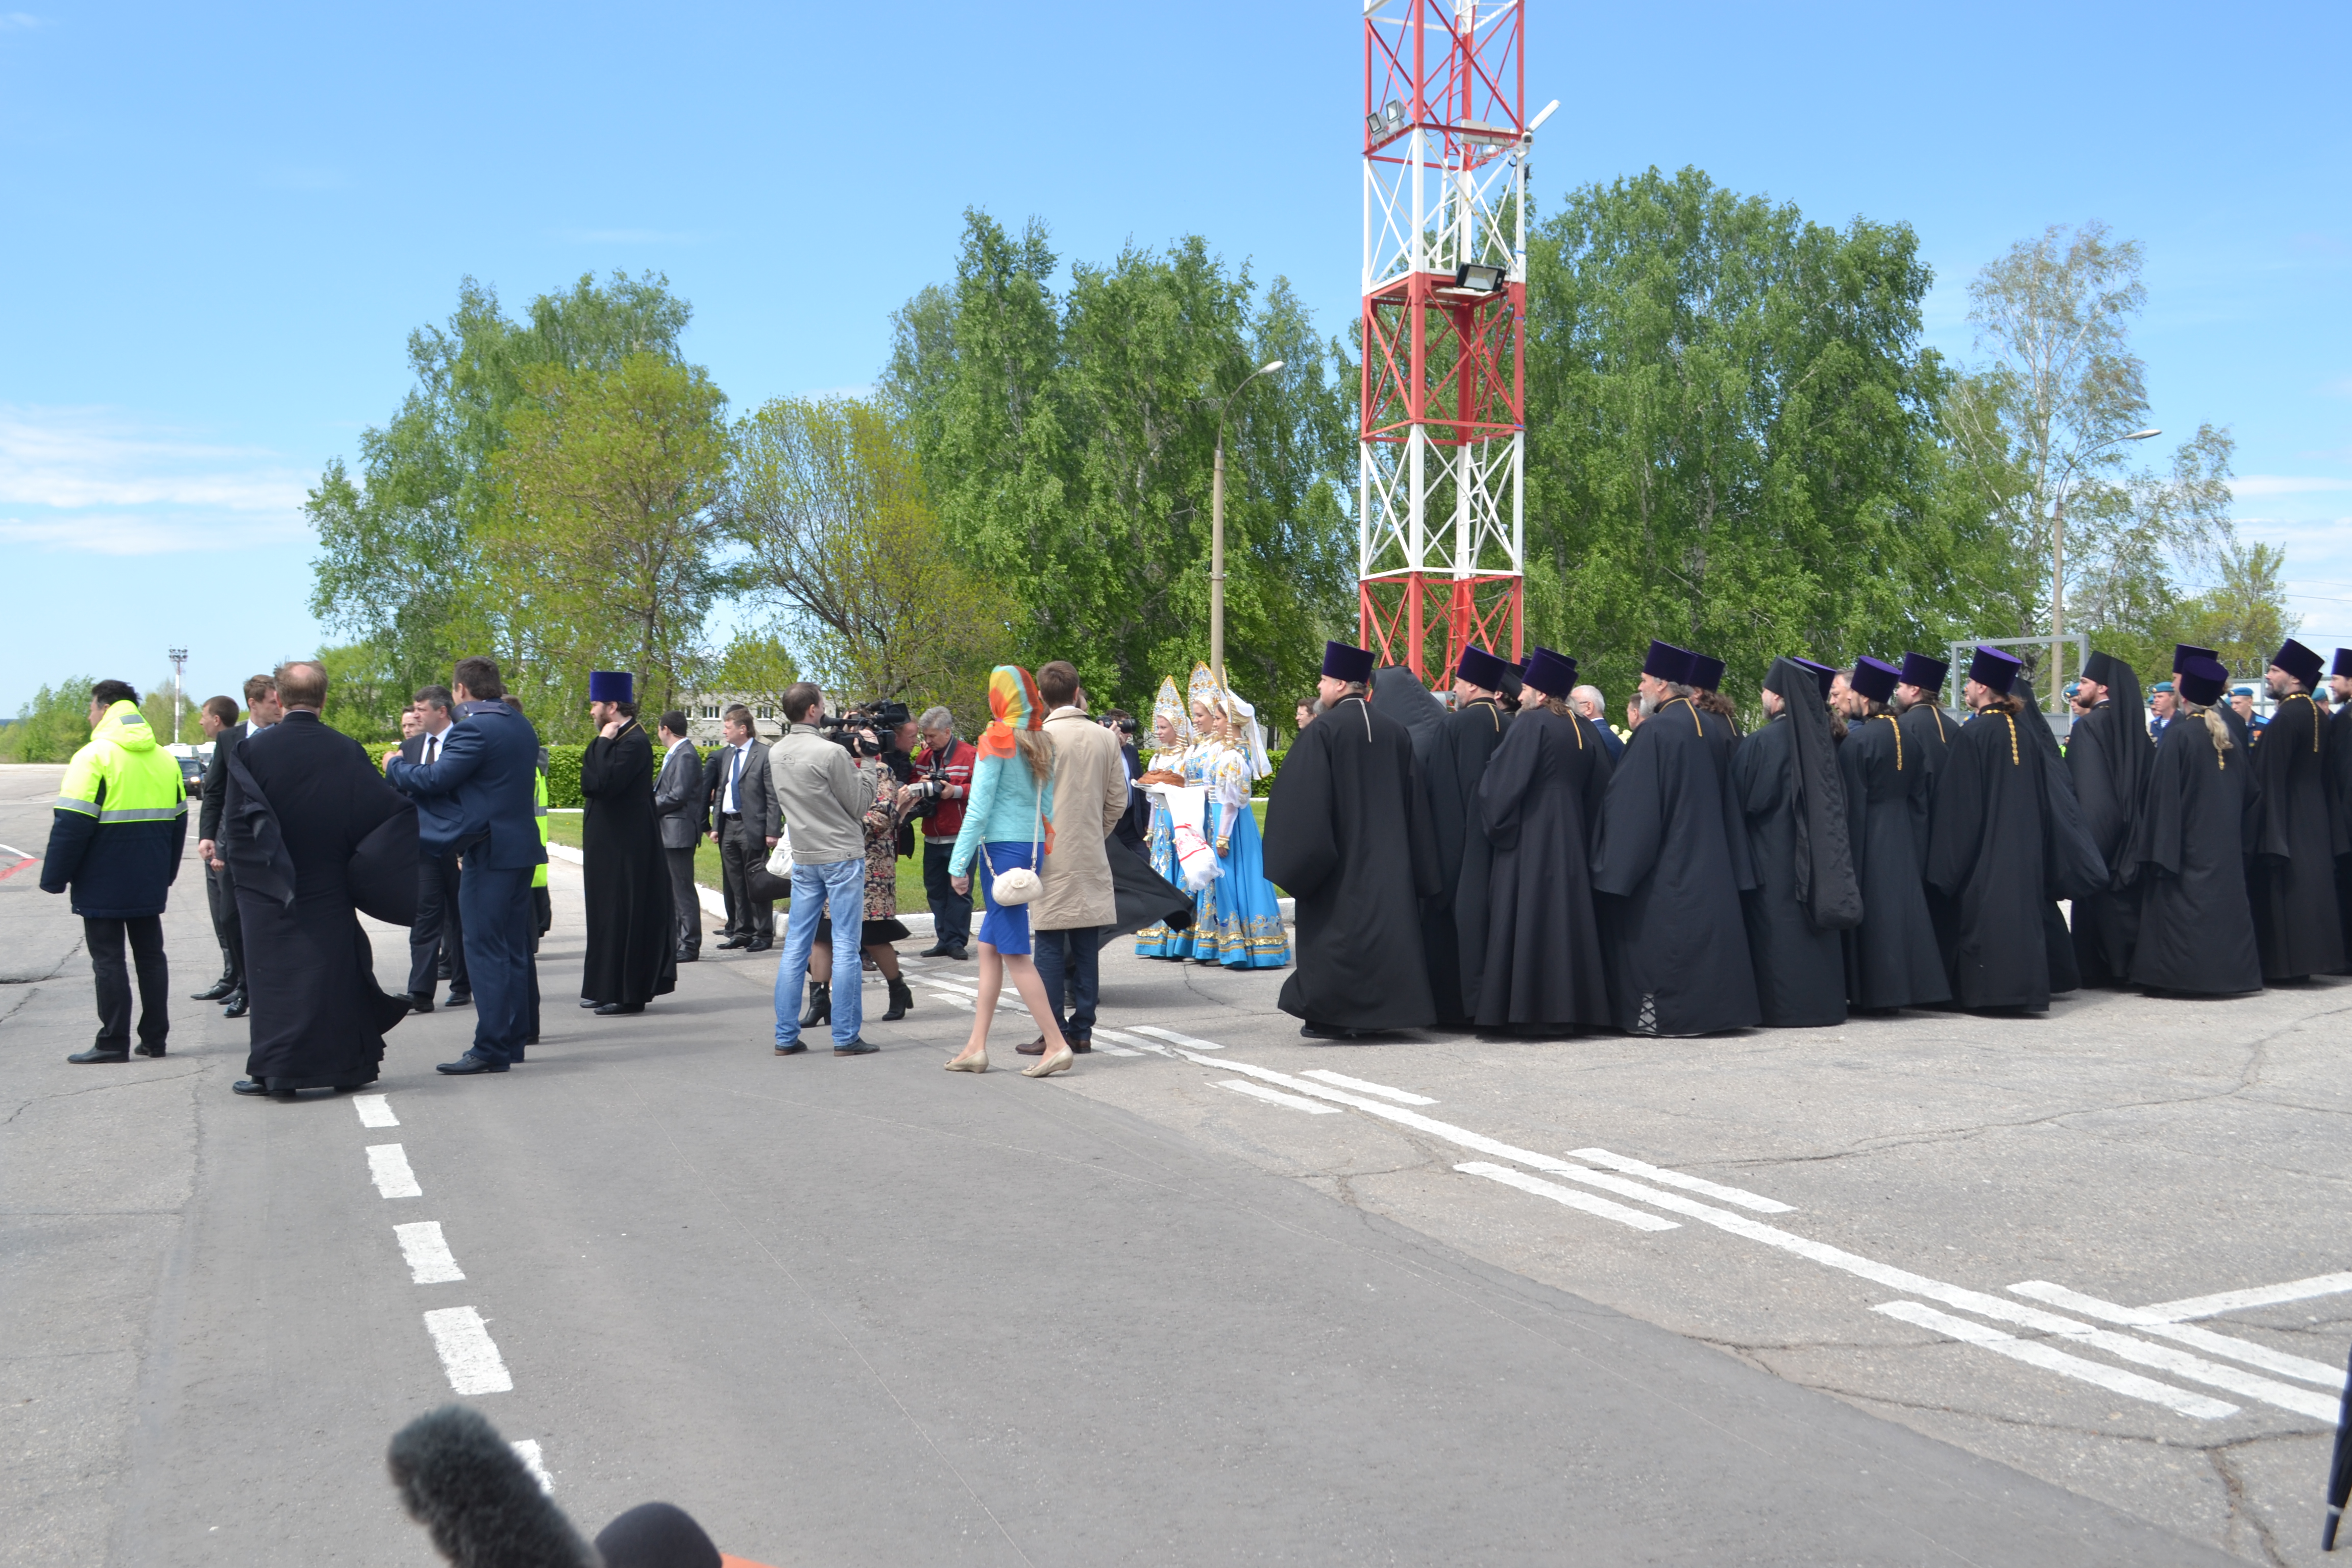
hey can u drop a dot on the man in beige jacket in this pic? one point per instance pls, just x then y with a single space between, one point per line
1067 920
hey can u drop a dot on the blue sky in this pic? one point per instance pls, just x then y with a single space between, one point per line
217 225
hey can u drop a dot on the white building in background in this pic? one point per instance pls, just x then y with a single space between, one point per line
702 709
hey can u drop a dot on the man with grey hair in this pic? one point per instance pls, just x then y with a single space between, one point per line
945 766
1588 701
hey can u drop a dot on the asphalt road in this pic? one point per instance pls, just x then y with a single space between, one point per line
1188 1303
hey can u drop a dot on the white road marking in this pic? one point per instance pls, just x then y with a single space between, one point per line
1275 1096
388 1164
375 1111
468 1355
2205 1340
1400 1096
1110 1050
2260 1296
1665 1178
1173 1039
1139 1047
527 1451
1568 1195
2034 1353
430 1261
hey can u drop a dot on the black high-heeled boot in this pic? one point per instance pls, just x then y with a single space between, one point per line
902 998
820 1006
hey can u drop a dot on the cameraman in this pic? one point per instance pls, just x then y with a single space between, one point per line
939 797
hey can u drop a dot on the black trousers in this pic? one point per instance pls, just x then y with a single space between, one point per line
740 849
439 927
684 904
103 936
220 894
950 910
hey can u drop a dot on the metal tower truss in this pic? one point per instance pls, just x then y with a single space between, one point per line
1441 514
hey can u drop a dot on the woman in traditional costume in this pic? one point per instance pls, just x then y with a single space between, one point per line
1240 925
1171 735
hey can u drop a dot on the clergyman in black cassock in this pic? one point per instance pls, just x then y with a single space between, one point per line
1398 693
632 936
1348 835
1675 940
1542 970
2297 926
312 834
1472 730
1927 734
2110 756
2188 852
2338 751
1792 796
1891 957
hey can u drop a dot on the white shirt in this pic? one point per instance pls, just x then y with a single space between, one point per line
727 806
433 746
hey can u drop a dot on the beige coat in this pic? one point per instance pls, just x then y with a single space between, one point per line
1089 797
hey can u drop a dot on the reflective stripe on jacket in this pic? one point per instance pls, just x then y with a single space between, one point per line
120 822
538 810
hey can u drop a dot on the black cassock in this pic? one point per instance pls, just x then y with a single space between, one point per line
1891 958
1542 969
1397 694
2291 881
311 828
1348 835
1928 733
2188 856
632 942
1675 941
1472 734
2061 831
2339 761
1786 779
2110 757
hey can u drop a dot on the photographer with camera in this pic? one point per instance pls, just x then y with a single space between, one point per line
824 802
938 796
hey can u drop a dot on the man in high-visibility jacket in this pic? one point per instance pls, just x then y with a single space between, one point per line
120 825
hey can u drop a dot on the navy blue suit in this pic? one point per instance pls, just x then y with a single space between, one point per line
478 800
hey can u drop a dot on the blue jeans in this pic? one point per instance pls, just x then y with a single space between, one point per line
1073 955
836 888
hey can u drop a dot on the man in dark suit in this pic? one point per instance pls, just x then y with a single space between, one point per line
749 826
478 800
679 805
220 884
440 928
1134 826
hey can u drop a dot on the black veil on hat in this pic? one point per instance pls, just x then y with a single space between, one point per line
1399 694
1826 884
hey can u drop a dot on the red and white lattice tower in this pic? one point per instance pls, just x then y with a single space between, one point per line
1440 511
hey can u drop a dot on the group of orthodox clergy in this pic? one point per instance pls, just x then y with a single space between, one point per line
1506 864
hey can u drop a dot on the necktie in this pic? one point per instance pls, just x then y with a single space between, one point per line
432 750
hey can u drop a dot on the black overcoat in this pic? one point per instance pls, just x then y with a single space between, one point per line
2187 859
1347 836
1473 732
299 802
2297 926
1891 958
1671 927
632 941
2339 797
1542 969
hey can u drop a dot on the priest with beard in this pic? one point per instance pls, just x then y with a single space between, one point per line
1542 971
1348 835
1397 693
1786 779
2110 756
1668 857
2187 856
1474 730
632 941
1891 957
313 834
2297 926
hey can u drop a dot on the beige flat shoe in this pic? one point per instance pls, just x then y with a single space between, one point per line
970 1064
1058 1062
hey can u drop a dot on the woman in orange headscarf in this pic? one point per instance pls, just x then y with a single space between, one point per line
1008 828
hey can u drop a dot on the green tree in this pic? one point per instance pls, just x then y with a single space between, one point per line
828 502
1067 441
1732 436
2245 615
604 546
53 726
757 666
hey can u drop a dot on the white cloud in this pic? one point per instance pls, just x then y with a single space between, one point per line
2284 484
17 22
93 480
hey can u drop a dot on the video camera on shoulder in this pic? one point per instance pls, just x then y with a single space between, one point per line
867 728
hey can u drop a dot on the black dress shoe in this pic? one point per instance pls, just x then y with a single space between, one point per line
94 1055
732 942
937 950
441 970
1328 1032
420 1001
239 1006
590 1002
619 1009
795 1048
686 955
1036 1048
759 944
144 1050
220 988
857 1048
958 952
259 1086
351 1088
461 999
468 1065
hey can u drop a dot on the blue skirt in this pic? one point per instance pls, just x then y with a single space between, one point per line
1004 927
1156 940
1237 923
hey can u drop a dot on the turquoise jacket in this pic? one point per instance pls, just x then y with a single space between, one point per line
1003 809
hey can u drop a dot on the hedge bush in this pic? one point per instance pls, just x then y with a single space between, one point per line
563 775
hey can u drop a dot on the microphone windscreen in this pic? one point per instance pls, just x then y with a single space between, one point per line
472 1494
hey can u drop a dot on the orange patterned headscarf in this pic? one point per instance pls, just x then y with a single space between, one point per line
1014 705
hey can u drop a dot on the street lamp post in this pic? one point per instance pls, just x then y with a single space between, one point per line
2058 567
179 657
1217 533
